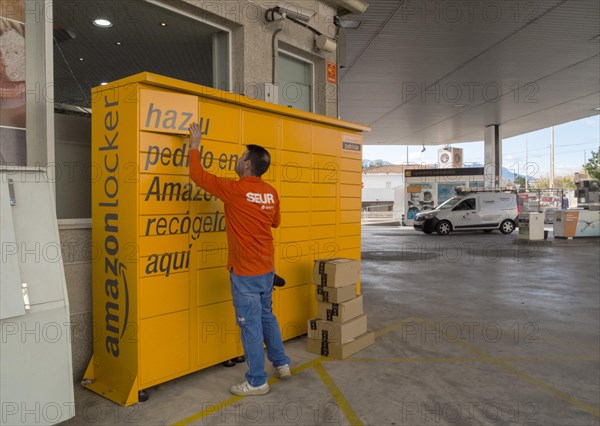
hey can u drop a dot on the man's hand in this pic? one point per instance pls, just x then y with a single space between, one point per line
195 136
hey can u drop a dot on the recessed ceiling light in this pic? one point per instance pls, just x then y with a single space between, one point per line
596 109
118 43
81 59
104 83
163 24
350 24
104 23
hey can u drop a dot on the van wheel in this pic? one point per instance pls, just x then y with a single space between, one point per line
443 228
507 226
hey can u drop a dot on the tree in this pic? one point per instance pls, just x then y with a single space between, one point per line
542 182
592 167
564 182
520 180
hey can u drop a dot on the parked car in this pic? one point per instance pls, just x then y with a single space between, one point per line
471 210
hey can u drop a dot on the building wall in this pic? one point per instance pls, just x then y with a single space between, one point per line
380 180
252 38
376 190
376 186
75 240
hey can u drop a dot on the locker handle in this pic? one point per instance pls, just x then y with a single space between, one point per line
25 296
11 192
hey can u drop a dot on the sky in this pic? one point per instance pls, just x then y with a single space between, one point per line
573 143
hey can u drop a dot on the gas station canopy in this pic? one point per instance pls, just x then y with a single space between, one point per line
434 72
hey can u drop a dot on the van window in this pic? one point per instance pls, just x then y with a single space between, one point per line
448 204
468 204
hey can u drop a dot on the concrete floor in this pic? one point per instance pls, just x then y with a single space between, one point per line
472 329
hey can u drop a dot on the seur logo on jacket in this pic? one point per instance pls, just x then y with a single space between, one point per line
266 200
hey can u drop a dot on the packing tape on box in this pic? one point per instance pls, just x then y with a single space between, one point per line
333 312
324 343
323 293
322 273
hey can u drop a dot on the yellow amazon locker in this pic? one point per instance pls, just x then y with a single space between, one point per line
161 295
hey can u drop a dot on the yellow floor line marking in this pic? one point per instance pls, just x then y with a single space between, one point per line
482 356
210 410
551 358
458 360
338 396
394 326
568 343
414 360
224 404
590 409
308 364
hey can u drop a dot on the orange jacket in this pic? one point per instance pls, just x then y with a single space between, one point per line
251 210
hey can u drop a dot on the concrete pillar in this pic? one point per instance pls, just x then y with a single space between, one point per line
39 90
493 156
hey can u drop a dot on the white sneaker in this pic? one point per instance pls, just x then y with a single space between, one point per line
283 371
245 388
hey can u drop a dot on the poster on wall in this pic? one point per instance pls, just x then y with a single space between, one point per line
447 191
12 82
419 197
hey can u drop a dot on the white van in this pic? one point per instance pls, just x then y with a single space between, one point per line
471 210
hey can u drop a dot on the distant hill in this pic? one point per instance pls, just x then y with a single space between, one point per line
506 173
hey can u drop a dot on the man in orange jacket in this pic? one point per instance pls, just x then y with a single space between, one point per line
251 210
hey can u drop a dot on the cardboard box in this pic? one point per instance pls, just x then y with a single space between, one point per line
335 332
335 294
338 351
336 272
340 312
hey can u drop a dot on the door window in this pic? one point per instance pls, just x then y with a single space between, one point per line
468 204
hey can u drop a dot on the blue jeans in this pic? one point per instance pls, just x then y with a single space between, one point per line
252 299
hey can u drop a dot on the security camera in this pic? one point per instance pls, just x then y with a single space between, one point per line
295 12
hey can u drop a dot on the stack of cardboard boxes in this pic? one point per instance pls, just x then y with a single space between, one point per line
340 330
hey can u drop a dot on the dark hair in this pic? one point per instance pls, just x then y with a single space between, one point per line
259 158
